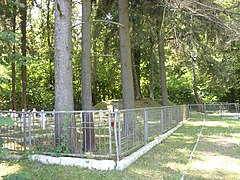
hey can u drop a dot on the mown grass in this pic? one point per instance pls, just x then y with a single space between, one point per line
218 153
165 161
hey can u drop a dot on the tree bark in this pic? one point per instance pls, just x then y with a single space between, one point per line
162 58
136 72
194 81
63 75
125 56
136 54
23 12
126 67
151 68
14 103
88 124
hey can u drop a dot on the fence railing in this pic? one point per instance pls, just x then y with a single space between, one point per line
102 133
221 110
137 127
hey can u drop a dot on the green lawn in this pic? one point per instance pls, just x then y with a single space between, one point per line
217 157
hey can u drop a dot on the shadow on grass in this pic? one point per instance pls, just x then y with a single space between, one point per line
167 160
218 153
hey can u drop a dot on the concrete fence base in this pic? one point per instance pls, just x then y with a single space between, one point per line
70 161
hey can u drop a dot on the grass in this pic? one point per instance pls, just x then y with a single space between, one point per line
217 157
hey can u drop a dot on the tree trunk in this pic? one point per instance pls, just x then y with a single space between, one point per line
96 33
94 79
14 103
23 12
64 77
125 55
151 68
136 51
194 81
126 67
162 58
88 124
136 72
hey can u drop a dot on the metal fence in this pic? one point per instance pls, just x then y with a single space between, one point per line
99 134
220 110
144 125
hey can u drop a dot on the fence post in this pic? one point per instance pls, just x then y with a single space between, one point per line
117 134
30 130
109 127
43 120
179 114
205 110
145 125
237 111
221 108
24 129
161 120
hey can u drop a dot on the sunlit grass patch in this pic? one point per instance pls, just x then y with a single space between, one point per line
218 152
6 168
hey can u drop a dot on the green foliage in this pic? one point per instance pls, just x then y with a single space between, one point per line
8 122
26 154
180 90
64 145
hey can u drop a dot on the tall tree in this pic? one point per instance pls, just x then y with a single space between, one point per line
63 72
194 80
125 55
194 77
151 63
14 103
23 12
160 19
136 21
88 126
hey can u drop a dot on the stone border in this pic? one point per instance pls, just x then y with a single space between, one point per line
10 156
127 161
70 161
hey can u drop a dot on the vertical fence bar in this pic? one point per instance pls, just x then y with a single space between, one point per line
171 116
119 133
205 110
179 114
110 132
146 125
238 115
116 135
30 131
161 120
221 108
33 124
24 130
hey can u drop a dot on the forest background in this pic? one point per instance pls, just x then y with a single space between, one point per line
182 51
